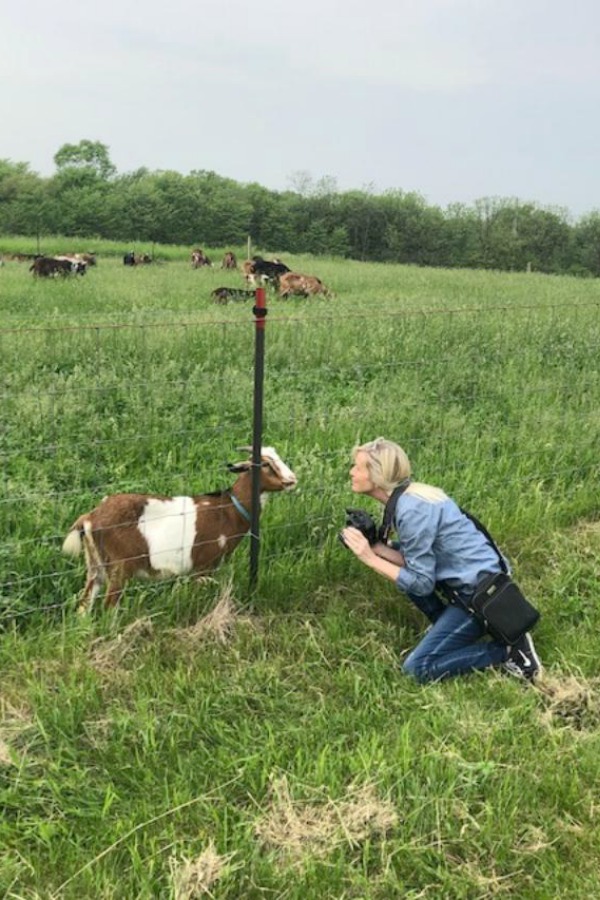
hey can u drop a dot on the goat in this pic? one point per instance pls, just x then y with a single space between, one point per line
199 259
78 266
50 266
229 260
248 271
302 285
149 535
225 294
263 271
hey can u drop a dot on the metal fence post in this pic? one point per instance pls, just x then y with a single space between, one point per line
260 313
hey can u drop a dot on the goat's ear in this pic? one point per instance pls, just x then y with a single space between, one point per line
238 467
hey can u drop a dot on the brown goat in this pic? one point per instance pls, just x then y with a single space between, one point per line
302 285
229 261
149 535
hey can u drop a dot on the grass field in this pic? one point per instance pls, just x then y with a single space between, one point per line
278 751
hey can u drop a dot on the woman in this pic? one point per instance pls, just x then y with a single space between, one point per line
437 545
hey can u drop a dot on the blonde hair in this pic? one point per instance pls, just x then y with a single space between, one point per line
389 465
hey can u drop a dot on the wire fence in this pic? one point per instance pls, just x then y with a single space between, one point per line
497 403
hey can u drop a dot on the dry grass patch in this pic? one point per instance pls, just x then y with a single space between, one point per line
300 830
490 884
218 625
14 723
533 840
194 877
573 701
591 529
5 755
98 732
109 656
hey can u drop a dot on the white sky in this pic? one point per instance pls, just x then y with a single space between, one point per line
454 99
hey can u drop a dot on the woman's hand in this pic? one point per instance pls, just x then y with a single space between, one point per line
357 542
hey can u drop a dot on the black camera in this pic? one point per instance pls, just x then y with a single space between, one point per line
363 522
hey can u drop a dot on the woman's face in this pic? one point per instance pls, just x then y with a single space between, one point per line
359 474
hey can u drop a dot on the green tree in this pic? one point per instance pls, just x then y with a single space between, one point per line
270 222
23 207
86 156
338 243
461 235
585 258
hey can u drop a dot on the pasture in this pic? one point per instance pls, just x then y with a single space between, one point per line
278 751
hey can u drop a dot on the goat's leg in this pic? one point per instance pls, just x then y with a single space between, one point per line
114 588
90 592
112 596
96 576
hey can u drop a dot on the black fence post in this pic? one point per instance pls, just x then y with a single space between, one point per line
260 313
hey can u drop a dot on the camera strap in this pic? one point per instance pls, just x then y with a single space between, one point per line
390 509
481 527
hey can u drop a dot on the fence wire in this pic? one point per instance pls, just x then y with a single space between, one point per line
498 404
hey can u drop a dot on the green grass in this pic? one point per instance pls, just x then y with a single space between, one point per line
127 748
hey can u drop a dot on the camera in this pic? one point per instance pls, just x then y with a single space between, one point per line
363 522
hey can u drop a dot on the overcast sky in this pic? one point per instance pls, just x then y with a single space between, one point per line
454 99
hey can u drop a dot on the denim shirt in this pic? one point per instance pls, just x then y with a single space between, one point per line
439 543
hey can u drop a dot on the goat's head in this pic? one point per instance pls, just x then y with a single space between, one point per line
274 474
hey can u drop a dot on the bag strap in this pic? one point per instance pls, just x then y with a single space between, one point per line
481 527
390 509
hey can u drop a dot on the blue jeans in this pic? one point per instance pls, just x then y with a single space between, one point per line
453 645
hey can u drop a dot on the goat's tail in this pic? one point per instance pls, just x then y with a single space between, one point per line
73 543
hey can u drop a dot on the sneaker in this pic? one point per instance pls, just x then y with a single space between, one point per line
522 660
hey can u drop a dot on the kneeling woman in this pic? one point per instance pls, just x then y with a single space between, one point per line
438 545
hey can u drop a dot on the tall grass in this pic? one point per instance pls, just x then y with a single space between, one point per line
129 744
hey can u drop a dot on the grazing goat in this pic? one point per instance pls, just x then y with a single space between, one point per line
292 283
78 266
132 259
150 535
225 294
50 266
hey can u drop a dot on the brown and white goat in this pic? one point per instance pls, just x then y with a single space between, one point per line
149 535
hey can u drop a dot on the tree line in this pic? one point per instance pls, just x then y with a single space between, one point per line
86 197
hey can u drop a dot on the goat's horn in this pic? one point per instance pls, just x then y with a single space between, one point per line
245 449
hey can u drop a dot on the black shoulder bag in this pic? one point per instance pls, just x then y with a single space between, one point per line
498 602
